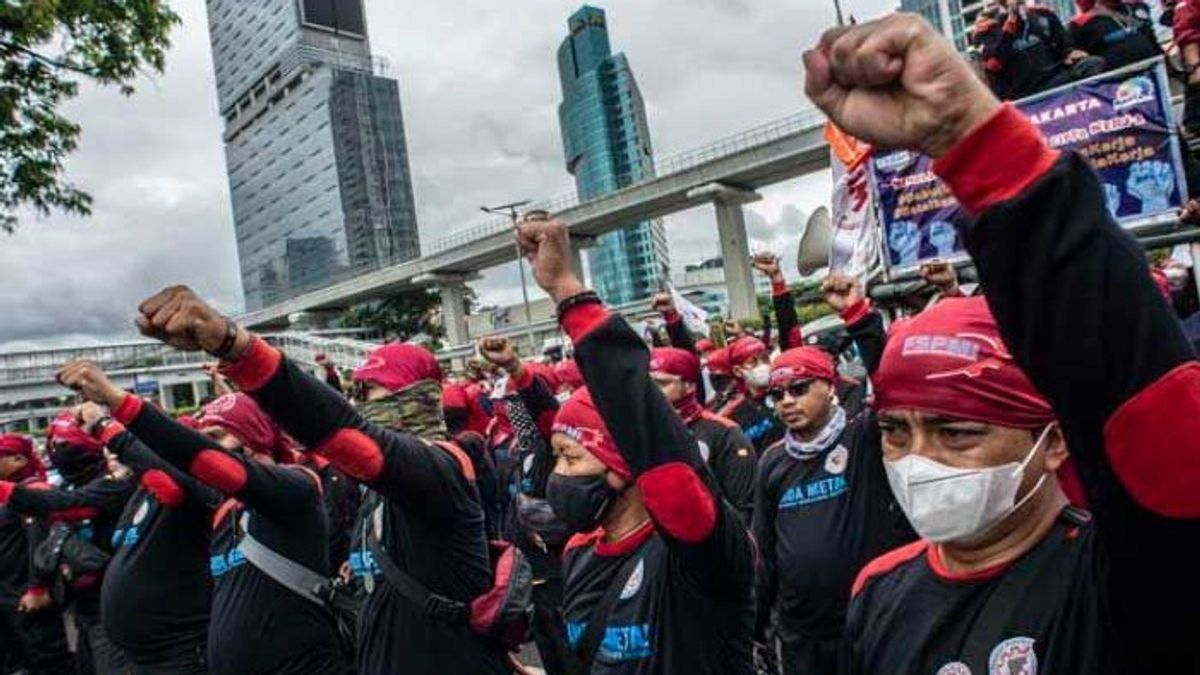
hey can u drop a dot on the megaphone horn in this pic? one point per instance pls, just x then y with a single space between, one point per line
813 253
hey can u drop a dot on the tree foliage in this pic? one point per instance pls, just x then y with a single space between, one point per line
46 48
402 316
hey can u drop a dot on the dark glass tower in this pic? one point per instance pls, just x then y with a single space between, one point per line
606 141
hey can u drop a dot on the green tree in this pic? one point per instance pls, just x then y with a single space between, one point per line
401 316
46 48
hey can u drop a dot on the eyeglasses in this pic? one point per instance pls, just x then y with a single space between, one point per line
797 389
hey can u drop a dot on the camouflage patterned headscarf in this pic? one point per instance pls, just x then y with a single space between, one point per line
415 410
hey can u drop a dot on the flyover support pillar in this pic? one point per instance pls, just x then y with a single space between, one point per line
735 245
452 288
579 242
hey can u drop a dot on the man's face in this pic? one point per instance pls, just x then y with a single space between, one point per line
749 365
672 386
234 445
11 464
803 404
967 444
572 459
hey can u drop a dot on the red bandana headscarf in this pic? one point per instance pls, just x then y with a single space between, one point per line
802 363
398 365
581 422
951 361
684 365
240 415
16 444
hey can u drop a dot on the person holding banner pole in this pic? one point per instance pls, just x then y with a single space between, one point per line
980 401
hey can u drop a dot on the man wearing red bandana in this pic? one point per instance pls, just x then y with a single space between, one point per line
236 453
31 629
823 508
750 362
978 402
729 454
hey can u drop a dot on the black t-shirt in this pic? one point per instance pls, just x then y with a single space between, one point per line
1042 614
157 593
1021 52
757 421
730 457
14 557
817 522
1119 40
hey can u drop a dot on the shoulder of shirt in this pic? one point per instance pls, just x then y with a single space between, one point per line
312 475
719 419
887 563
772 452
583 540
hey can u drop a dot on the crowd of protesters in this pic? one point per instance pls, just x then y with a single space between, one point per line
1007 484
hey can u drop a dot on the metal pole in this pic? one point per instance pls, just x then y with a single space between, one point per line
511 211
838 6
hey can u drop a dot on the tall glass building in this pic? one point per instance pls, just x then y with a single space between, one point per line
314 145
606 141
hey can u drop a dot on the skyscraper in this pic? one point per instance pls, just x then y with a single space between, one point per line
314 145
606 141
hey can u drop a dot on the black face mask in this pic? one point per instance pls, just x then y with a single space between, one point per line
77 466
579 501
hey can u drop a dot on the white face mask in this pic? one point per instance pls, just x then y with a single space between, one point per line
759 376
945 503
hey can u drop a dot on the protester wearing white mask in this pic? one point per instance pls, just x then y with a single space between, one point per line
750 360
1010 578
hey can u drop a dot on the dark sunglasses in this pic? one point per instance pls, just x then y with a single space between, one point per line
797 389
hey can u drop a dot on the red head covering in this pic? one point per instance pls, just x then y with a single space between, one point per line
547 373
678 362
64 429
398 365
704 346
718 362
802 363
188 421
569 375
240 415
744 349
454 396
579 420
16 444
1085 5
950 360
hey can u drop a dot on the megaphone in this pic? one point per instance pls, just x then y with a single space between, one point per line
814 245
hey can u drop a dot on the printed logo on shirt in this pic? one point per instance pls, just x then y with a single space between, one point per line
620 643
127 537
363 564
140 515
219 564
761 429
705 451
954 668
812 492
837 460
1014 656
634 583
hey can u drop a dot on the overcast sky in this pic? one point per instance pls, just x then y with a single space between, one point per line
479 90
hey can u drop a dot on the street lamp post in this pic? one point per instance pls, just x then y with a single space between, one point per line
837 5
510 210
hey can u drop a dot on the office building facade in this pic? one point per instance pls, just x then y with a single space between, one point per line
606 140
314 146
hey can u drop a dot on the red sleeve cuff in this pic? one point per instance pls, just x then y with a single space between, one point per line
129 409
779 287
256 367
6 490
995 162
111 431
856 312
582 319
39 591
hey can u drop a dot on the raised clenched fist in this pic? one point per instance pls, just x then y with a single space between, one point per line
178 317
91 382
663 303
768 264
841 291
941 274
500 352
897 83
88 414
547 245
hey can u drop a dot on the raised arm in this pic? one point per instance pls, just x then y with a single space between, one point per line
401 467
783 302
865 325
676 488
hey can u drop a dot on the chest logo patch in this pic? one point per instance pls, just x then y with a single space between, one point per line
954 668
1014 656
140 515
634 583
837 460
705 451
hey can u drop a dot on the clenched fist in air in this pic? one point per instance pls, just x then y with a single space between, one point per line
178 317
897 83
547 245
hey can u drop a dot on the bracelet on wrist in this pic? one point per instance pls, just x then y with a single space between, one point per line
584 298
227 344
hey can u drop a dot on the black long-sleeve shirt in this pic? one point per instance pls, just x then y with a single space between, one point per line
258 626
688 606
1121 40
157 592
430 523
19 536
1021 50
1076 308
